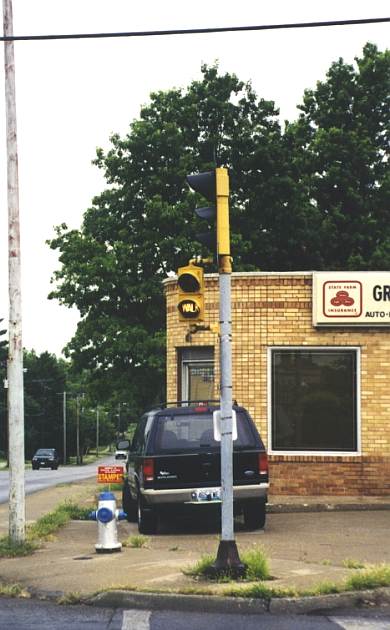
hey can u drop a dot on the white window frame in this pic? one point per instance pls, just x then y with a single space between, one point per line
291 453
185 364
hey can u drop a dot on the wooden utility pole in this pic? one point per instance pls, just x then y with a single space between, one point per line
17 517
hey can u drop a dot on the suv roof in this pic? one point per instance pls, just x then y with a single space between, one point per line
188 407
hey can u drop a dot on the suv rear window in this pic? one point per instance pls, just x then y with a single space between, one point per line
191 432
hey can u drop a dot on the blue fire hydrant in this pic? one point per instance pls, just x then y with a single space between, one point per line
107 516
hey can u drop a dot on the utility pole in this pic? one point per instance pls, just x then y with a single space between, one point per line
97 431
17 516
78 430
64 423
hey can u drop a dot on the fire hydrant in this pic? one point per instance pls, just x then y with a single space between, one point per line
107 516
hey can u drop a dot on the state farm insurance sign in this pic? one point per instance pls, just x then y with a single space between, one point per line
345 298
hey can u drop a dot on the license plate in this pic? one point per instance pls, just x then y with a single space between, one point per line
206 495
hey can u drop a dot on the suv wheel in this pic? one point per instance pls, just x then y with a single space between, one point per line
128 504
254 514
147 518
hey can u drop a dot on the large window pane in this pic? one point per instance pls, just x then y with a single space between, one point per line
314 400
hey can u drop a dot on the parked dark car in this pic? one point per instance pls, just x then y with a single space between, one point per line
45 458
174 464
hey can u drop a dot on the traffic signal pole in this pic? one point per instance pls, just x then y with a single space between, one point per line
227 560
214 186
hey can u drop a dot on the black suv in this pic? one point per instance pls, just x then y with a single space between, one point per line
174 462
45 457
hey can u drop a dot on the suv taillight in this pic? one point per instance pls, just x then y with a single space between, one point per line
263 464
148 469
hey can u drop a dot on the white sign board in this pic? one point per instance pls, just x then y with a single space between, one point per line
217 425
351 298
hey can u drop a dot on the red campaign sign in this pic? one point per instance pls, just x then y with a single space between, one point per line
110 474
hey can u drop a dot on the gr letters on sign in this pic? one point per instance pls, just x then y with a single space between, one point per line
351 298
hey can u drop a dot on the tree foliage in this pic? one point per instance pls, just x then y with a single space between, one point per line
311 197
341 146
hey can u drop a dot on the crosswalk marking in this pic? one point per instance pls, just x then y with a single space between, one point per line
136 620
348 623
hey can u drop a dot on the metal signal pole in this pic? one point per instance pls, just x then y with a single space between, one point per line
17 517
228 559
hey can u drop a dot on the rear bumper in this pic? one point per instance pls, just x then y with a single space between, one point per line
183 495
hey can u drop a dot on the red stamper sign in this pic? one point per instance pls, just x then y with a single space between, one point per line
110 474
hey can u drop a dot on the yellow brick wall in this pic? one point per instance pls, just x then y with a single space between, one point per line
275 310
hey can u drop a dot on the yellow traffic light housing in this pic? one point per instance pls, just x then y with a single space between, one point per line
222 198
190 280
214 186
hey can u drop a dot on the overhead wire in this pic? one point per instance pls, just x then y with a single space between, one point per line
194 31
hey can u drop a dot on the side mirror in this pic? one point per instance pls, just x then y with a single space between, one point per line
217 425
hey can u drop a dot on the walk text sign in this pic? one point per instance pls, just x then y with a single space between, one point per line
346 298
110 474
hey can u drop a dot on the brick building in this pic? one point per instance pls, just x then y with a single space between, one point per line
311 362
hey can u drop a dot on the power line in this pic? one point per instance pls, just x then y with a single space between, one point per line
195 31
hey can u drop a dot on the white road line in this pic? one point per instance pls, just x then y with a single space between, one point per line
136 620
349 623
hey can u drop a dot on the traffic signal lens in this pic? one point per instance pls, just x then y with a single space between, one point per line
188 283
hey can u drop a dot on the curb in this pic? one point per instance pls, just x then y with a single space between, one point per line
240 605
289 508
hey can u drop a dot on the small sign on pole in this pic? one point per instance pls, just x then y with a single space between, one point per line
110 474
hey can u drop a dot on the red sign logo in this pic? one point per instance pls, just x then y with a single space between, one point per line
342 298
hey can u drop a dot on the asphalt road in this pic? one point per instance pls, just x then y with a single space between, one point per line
43 478
28 614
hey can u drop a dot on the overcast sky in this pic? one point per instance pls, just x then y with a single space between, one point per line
72 95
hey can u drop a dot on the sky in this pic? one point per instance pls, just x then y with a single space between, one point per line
72 95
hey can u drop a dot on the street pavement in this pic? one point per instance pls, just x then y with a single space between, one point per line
26 614
307 542
35 480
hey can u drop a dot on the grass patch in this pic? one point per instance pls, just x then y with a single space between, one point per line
259 591
369 578
42 530
53 521
9 549
349 563
70 598
257 567
136 542
13 590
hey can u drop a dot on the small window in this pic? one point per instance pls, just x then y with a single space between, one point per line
314 400
197 374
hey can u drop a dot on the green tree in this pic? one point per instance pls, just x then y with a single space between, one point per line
44 381
143 226
341 147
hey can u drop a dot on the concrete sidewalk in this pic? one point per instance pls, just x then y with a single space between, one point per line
306 540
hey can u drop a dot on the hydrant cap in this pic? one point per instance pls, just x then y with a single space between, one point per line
106 496
104 515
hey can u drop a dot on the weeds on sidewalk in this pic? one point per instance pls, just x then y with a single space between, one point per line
136 542
13 590
43 529
373 577
255 560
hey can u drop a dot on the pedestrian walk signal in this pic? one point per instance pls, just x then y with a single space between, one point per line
190 303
